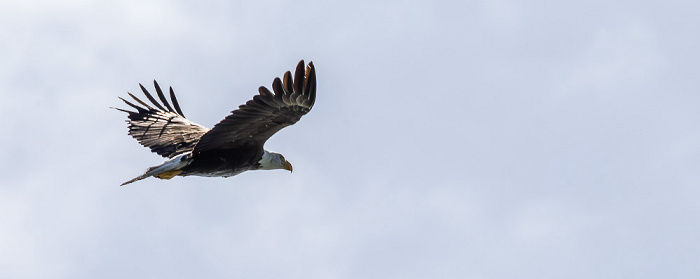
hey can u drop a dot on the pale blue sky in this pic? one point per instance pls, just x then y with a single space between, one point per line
463 139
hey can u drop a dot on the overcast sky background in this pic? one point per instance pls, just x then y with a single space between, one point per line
462 139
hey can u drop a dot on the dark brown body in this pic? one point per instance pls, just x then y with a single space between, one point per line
225 162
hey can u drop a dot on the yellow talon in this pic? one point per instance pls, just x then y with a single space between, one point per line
168 174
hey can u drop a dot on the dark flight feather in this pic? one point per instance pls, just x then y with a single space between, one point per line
175 103
266 114
162 97
150 98
166 132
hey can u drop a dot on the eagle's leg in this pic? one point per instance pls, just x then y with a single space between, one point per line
168 174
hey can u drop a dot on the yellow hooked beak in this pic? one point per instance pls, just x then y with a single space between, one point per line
287 165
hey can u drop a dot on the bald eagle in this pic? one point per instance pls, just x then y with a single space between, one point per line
232 146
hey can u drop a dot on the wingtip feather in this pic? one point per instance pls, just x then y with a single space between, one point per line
175 102
161 96
150 97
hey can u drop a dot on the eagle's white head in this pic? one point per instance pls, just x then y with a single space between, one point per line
272 160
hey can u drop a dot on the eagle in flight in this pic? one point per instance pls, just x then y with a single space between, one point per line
232 146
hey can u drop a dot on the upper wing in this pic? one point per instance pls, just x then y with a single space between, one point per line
266 113
164 130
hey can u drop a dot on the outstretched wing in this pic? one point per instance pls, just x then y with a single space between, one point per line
266 113
163 129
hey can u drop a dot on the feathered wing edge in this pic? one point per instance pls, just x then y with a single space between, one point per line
164 129
268 112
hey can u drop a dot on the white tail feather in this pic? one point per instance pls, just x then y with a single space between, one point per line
176 163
